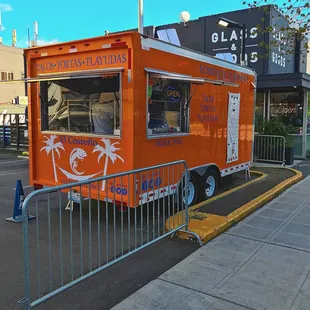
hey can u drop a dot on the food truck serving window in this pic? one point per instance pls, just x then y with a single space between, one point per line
167 106
82 105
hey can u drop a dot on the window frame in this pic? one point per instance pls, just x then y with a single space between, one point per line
165 135
178 77
7 76
78 75
299 102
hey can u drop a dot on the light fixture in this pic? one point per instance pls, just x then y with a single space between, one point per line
223 23
227 23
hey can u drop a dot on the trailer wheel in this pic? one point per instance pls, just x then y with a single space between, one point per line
209 184
192 190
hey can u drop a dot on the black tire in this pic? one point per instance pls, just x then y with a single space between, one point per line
193 183
211 175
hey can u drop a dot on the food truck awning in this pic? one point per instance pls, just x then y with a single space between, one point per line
182 77
67 75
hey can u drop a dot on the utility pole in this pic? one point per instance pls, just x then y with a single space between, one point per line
140 16
29 42
35 33
243 38
14 37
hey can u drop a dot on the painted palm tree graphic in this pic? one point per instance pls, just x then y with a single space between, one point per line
51 146
108 150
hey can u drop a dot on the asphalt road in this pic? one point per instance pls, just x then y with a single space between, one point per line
101 291
107 288
227 204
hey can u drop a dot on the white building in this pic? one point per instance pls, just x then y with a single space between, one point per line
11 68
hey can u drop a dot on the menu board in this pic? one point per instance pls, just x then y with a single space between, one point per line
233 127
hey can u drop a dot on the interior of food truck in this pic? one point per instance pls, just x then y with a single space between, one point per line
167 106
84 105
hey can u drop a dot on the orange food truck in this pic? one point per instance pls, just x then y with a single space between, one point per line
125 101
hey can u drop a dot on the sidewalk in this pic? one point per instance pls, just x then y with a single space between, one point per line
261 263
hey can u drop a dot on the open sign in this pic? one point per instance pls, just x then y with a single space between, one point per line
173 93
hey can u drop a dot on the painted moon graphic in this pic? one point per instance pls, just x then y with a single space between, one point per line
75 156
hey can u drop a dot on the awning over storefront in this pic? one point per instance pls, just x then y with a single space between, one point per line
187 78
283 80
67 75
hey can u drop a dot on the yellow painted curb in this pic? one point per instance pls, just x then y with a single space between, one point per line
208 226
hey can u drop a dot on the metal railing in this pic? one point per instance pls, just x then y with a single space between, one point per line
269 148
62 248
13 132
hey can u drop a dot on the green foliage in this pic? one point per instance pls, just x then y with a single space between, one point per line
274 127
277 128
297 14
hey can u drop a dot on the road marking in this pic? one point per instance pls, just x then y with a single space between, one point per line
10 162
24 187
3 175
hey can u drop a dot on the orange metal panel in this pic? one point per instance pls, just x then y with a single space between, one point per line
206 142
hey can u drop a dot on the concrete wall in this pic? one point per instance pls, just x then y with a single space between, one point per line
11 60
308 59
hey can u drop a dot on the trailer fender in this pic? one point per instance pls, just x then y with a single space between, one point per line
202 170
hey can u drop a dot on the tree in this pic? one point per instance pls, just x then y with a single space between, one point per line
297 14
109 151
51 146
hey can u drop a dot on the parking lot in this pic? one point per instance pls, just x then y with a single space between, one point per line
107 288
103 290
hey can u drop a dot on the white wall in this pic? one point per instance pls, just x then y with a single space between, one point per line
308 59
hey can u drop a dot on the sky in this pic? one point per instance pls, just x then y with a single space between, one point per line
66 20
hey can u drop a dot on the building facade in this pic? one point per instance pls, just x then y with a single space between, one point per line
11 68
283 86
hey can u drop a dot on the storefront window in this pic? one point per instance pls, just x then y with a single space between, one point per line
167 106
259 111
287 107
308 126
84 105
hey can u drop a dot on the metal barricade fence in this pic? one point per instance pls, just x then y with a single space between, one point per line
62 248
269 148
13 131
